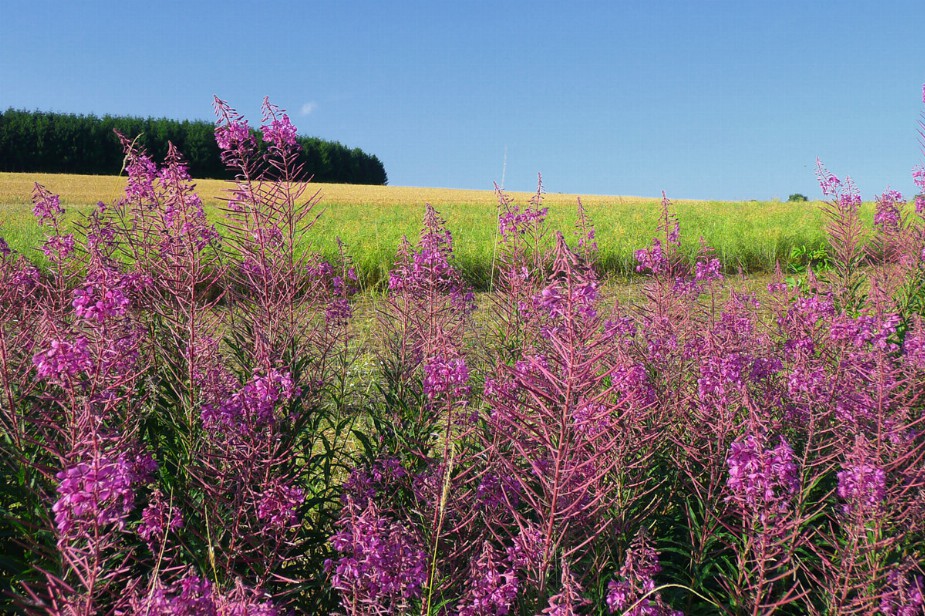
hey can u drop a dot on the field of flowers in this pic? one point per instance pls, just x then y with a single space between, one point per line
371 220
186 427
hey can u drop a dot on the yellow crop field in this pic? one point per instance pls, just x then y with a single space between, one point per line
371 220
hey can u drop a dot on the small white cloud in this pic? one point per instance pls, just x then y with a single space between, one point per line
309 107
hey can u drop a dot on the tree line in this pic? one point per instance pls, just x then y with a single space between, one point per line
47 142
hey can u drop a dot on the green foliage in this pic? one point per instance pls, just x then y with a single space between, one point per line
803 258
36 141
797 198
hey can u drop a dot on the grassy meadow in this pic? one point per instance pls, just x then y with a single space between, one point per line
751 236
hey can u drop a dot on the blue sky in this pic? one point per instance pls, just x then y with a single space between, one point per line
711 100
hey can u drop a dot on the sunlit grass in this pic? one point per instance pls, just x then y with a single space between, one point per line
371 220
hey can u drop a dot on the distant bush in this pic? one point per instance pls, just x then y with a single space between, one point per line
797 197
36 141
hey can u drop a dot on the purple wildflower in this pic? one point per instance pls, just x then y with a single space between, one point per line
527 552
495 492
568 601
190 596
492 588
449 377
862 487
232 134
58 247
514 222
761 479
279 505
157 519
141 171
652 259
637 582
63 360
94 493
244 601
914 345
709 270
381 562
47 207
904 594
96 303
280 132
254 404
888 216
363 485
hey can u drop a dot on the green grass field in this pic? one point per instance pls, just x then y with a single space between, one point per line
371 220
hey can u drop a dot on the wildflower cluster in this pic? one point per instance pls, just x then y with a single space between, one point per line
184 430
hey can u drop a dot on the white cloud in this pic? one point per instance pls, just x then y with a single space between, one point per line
309 107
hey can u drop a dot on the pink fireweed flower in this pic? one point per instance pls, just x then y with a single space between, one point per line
568 601
47 207
514 222
277 130
96 303
637 580
418 273
904 592
492 588
244 601
864 331
591 419
93 494
446 377
828 182
279 504
364 484
862 487
914 345
918 176
526 554
193 595
583 300
762 479
58 247
157 519
888 216
232 134
190 596
652 259
381 562
708 270
254 404
141 171
63 360
494 492
721 376
280 132
845 194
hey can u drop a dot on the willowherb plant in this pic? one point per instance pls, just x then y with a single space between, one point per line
635 593
418 471
846 235
180 434
564 426
518 272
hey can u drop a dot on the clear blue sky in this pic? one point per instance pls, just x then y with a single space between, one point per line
724 100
